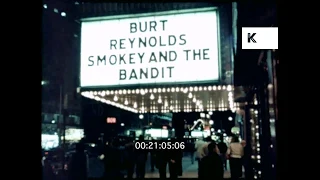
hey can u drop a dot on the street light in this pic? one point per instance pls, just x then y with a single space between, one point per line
44 82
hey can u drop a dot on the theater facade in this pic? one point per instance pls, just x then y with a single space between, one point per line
173 57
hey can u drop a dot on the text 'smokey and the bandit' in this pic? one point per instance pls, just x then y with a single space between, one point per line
260 38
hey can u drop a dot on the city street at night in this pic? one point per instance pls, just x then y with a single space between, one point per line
188 86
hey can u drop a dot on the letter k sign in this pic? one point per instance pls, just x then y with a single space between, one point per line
250 37
259 38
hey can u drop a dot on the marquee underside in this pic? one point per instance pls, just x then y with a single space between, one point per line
164 100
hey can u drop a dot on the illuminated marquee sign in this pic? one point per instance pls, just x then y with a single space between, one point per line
167 47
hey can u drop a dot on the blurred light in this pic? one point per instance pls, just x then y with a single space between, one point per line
76 3
210 113
93 145
211 122
224 134
190 95
53 121
151 96
230 118
101 157
45 6
141 116
63 14
219 131
44 82
55 10
122 124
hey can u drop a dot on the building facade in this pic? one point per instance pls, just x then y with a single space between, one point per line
60 54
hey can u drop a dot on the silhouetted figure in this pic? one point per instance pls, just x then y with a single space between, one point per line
235 153
130 158
178 156
211 166
112 160
191 150
47 171
162 158
79 164
199 151
223 150
152 158
141 158
175 165
202 149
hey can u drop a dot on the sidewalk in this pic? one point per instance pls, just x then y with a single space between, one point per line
192 172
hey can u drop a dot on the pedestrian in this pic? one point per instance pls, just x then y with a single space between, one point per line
235 153
162 159
112 160
141 158
129 158
211 165
152 157
223 150
79 164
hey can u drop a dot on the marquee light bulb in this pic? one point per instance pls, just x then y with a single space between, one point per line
115 98
126 102
194 99
190 95
159 100
135 105
166 104
152 97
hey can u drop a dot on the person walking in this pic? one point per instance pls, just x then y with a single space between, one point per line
223 151
211 165
79 164
235 153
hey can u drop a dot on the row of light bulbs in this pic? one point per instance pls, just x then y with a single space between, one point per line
165 109
257 135
199 107
255 138
163 90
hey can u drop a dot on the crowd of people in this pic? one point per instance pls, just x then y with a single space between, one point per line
122 160
212 158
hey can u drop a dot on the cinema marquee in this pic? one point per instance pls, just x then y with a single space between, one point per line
156 62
